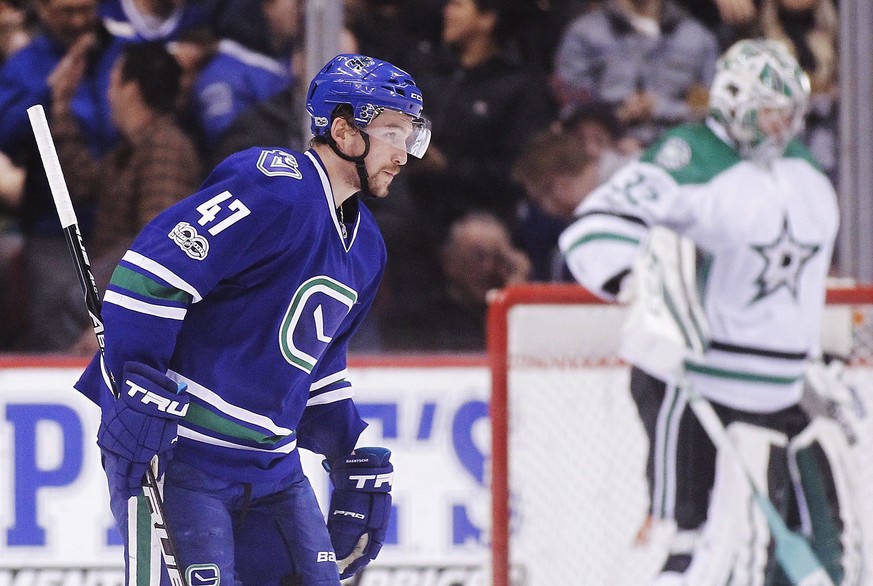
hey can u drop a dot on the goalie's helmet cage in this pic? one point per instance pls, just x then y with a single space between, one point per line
369 86
760 96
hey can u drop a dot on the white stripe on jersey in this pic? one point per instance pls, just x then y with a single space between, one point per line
222 406
329 379
331 396
143 307
162 272
199 437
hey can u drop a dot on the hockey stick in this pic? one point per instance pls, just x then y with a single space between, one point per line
70 226
793 551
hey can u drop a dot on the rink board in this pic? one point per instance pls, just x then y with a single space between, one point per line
55 525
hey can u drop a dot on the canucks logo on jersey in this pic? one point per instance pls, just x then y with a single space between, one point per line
278 163
317 309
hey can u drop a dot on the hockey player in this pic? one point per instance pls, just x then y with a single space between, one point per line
245 295
765 218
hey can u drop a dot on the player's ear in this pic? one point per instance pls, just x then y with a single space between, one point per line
341 129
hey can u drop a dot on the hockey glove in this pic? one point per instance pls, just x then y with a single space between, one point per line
360 507
142 423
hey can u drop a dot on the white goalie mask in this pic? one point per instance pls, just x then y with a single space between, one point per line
760 95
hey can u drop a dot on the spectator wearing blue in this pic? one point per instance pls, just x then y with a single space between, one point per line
649 59
235 78
151 20
54 319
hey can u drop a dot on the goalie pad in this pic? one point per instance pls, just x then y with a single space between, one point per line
666 322
733 547
825 476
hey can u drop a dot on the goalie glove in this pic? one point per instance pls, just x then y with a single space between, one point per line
142 423
360 507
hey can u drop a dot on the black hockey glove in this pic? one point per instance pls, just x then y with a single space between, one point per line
360 507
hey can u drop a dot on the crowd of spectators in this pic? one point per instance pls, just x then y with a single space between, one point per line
533 104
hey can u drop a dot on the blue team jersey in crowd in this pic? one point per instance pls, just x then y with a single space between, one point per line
248 292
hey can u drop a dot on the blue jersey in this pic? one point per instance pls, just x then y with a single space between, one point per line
123 19
249 292
233 81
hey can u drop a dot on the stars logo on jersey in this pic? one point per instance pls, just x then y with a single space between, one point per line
278 163
784 260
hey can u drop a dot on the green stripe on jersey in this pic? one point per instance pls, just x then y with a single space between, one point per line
138 283
740 375
199 415
601 236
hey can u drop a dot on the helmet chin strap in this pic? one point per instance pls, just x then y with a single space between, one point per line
360 166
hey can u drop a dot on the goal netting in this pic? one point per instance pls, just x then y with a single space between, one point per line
569 452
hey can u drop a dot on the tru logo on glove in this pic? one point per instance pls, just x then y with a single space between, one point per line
168 406
378 480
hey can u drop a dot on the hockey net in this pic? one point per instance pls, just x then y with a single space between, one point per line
568 450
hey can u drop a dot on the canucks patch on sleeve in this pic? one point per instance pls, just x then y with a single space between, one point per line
278 163
316 312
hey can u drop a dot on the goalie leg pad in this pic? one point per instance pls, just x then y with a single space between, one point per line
733 548
824 478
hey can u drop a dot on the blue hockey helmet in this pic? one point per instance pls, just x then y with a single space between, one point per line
369 86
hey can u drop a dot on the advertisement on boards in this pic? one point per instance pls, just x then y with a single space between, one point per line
55 524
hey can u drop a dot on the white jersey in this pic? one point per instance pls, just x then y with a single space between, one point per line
768 233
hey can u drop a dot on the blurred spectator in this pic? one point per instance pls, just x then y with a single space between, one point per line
11 291
648 58
276 121
269 27
729 20
810 28
558 170
535 28
154 166
476 257
13 31
151 20
11 183
603 136
233 78
484 105
53 314
394 29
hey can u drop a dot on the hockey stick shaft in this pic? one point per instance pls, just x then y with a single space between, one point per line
793 552
73 237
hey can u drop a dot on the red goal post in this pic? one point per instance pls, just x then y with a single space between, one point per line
556 377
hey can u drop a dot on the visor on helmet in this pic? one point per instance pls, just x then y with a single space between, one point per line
402 132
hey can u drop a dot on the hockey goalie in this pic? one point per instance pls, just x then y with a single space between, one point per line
721 235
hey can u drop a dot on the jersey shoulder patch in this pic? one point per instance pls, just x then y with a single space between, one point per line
279 163
691 154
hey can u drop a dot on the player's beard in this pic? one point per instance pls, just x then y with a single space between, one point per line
379 183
